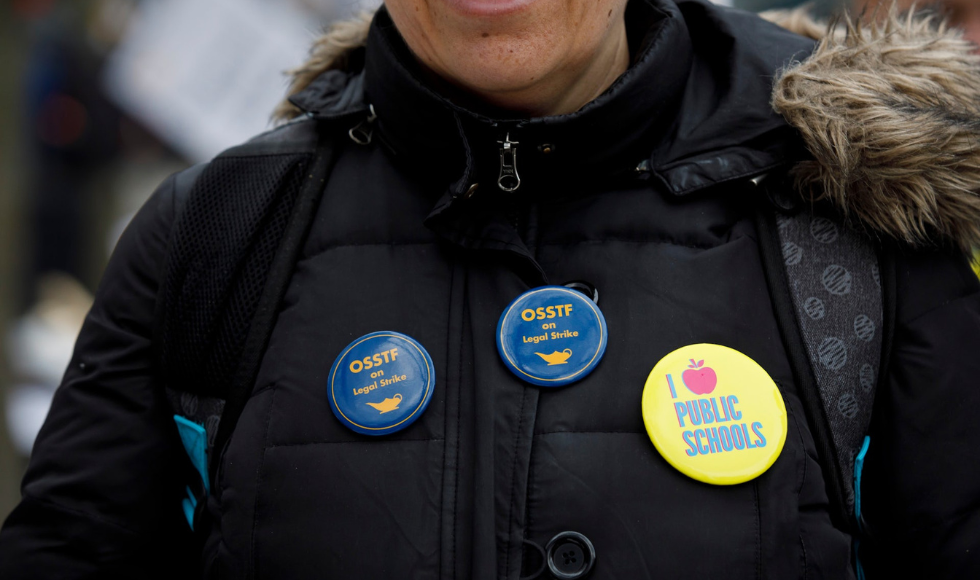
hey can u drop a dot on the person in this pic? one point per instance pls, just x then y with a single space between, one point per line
467 160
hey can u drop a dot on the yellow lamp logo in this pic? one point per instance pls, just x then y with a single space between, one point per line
556 358
388 405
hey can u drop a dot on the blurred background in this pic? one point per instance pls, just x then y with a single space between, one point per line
100 100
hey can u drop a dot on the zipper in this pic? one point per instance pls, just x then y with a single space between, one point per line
509 180
363 132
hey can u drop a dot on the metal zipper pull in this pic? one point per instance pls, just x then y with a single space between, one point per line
509 180
364 132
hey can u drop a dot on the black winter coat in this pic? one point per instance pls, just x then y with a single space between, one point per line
646 194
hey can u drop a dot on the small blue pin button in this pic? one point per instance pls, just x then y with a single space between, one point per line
381 383
552 336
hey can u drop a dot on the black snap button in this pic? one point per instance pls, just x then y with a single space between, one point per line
570 556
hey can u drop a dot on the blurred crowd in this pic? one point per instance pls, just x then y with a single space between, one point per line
99 101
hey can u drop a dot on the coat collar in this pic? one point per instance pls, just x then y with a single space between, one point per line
609 135
864 91
693 106
692 111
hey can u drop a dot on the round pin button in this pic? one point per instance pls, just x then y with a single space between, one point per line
714 414
381 383
551 336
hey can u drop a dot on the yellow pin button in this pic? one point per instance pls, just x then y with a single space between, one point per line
714 414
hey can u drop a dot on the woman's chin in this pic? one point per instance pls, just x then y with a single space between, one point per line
508 83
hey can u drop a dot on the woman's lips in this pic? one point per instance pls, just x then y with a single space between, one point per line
488 8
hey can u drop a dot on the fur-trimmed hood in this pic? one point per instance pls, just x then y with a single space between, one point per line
889 113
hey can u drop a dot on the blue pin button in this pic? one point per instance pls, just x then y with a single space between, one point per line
551 336
381 383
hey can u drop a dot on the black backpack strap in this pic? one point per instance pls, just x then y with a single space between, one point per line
826 286
280 272
232 251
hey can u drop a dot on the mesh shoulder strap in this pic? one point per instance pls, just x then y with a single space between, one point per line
826 285
231 254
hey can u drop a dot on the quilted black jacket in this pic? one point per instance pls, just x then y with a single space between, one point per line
645 193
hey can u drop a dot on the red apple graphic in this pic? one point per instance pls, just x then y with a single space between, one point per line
699 379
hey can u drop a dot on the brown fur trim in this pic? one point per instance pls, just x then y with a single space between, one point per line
329 52
891 114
